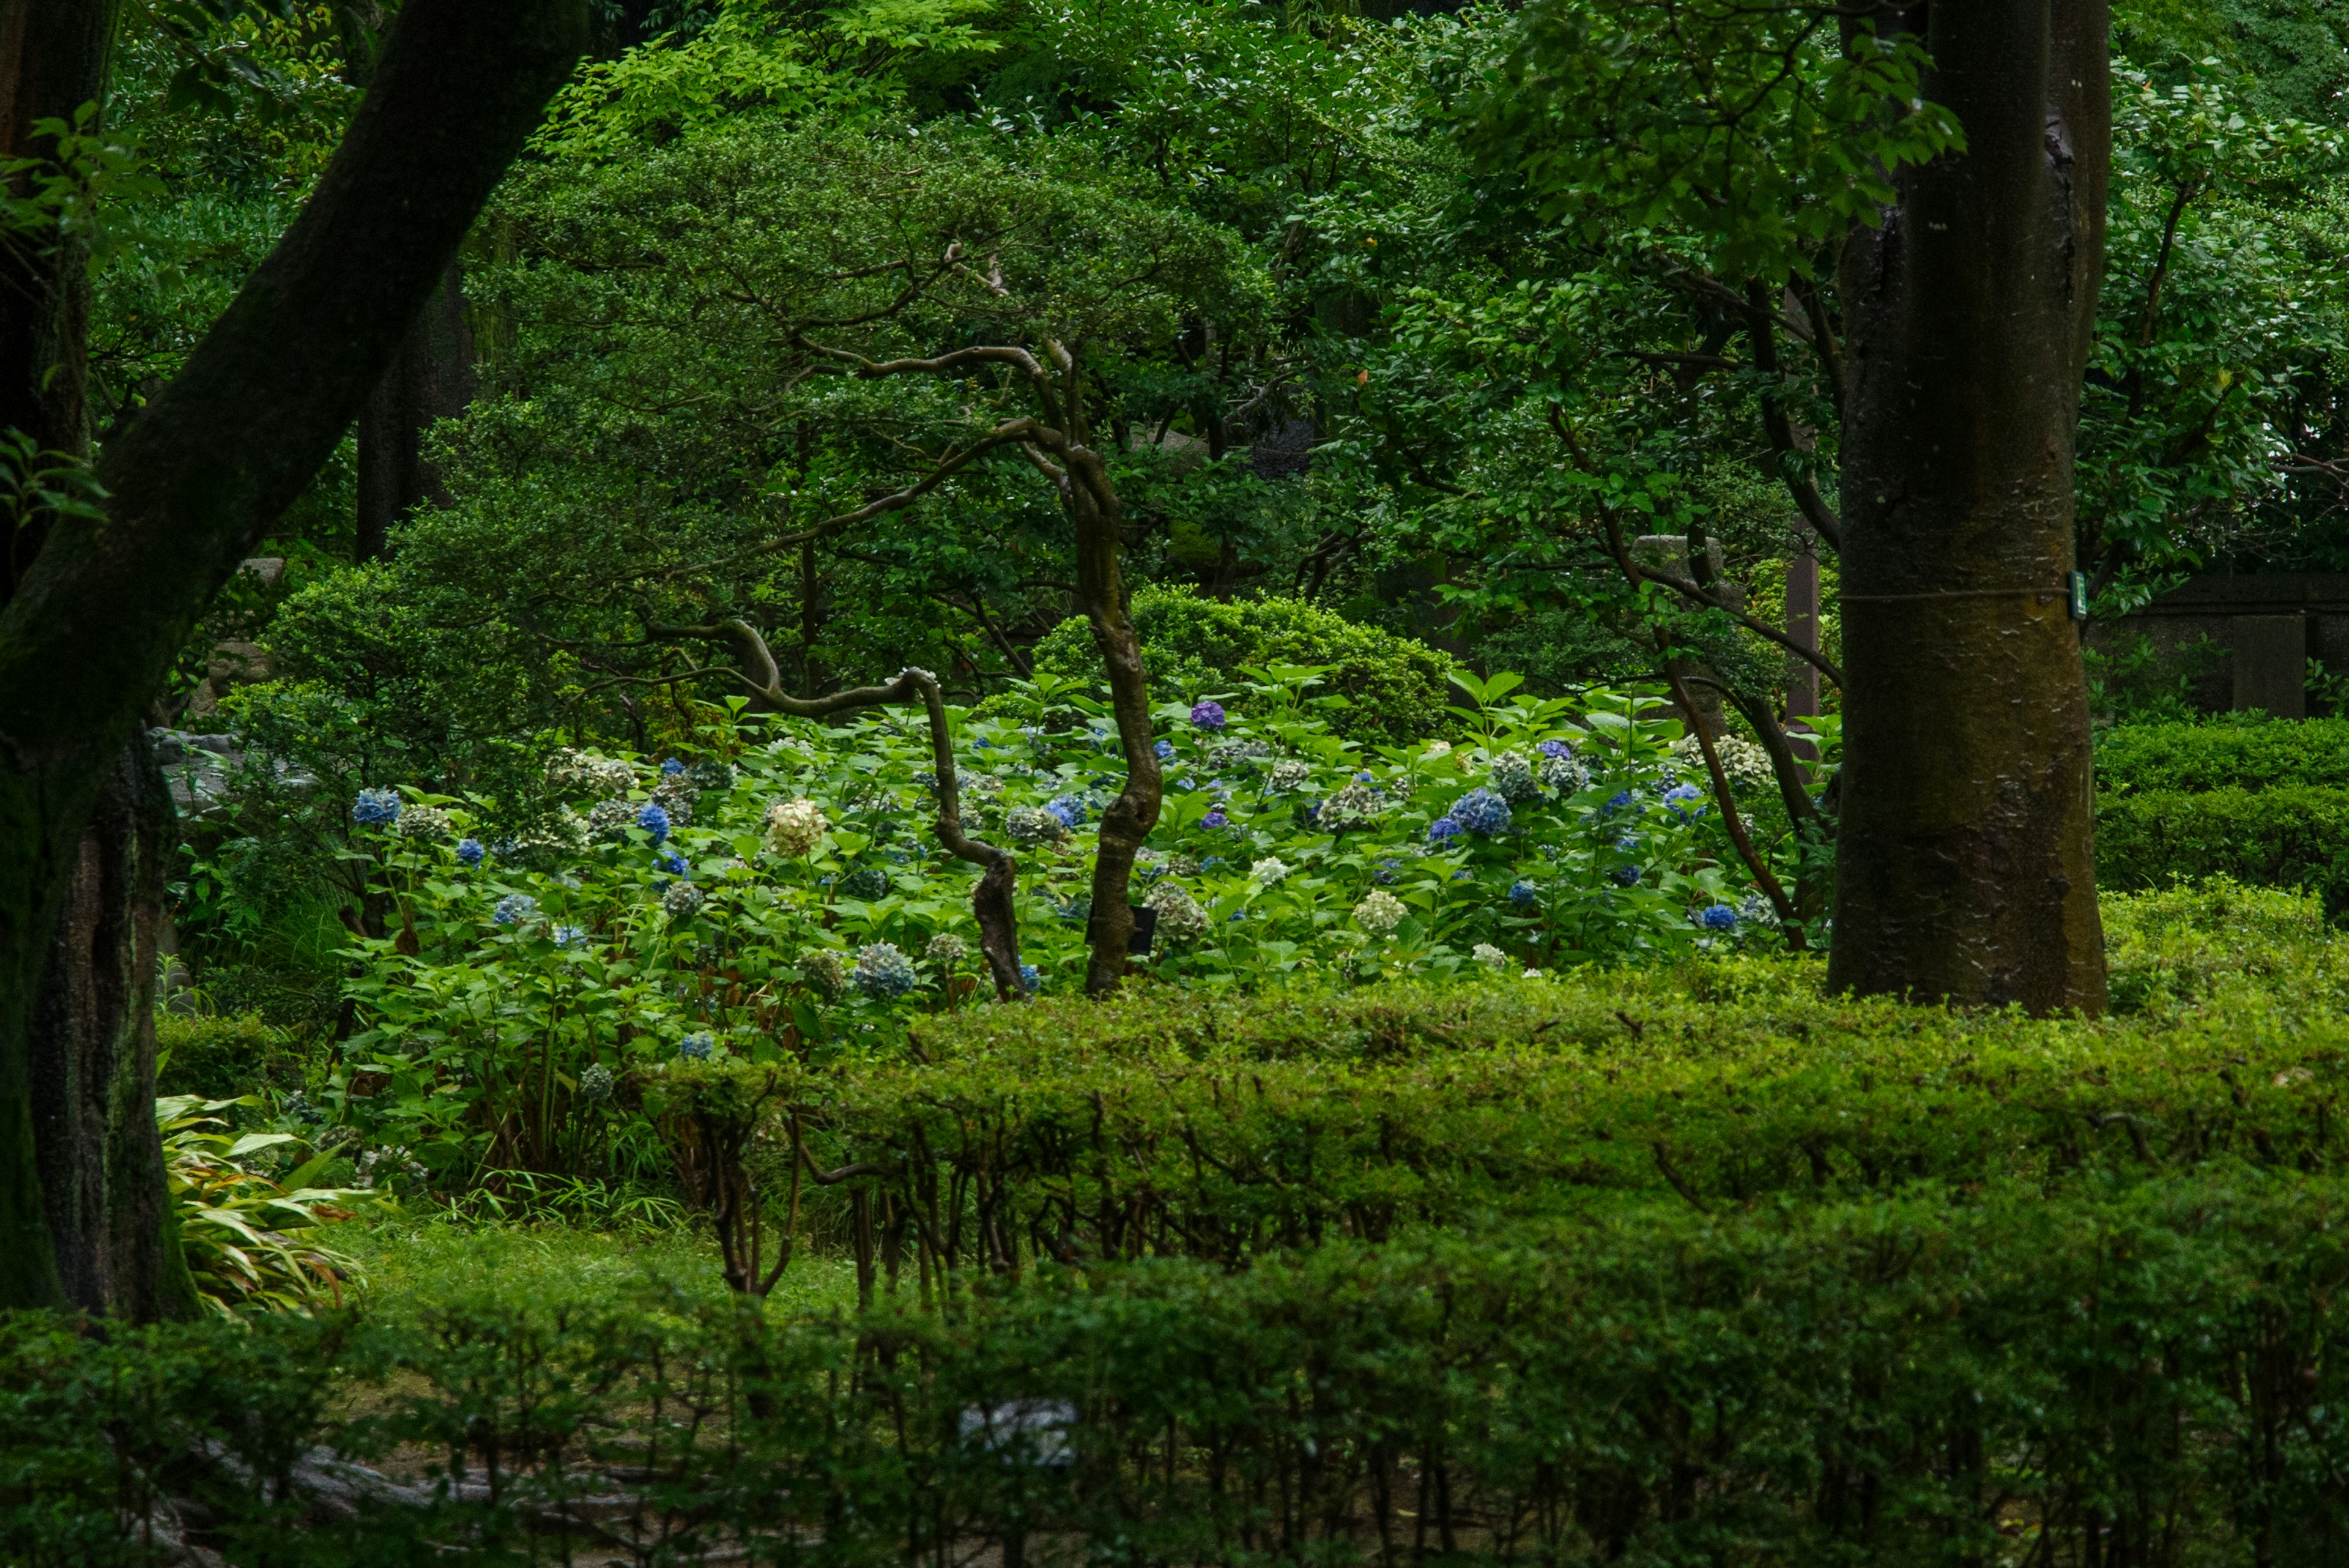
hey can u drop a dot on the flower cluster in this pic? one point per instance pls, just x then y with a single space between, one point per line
608 821
697 1046
654 820
569 769
376 808
1560 770
883 972
1491 957
1513 779
1481 812
1716 917
1355 806
945 950
1208 715
595 1084
1288 773
825 973
470 852
1268 872
1180 918
795 827
513 909
1380 913
426 824
1743 764
709 773
682 900
1068 809
1029 826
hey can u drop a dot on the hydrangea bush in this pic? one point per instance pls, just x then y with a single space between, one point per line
764 899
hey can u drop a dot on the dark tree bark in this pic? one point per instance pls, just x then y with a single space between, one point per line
206 469
1965 861
52 62
430 379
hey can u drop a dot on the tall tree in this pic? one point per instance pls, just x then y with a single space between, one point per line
193 484
1966 865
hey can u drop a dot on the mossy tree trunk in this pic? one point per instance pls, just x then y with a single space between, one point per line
193 484
1965 860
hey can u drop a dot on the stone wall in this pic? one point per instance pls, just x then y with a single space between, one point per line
2268 625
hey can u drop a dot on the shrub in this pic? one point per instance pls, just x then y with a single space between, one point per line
2141 759
2182 943
2284 836
1394 687
221 1058
1904 1383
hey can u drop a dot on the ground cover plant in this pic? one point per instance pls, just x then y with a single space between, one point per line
1618 1266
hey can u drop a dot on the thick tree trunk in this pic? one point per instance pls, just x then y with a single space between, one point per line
52 62
207 468
93 1060
430 379
1965 863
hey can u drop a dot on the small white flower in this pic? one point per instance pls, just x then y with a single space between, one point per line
1439 748
1489 955
1269 871
794 826
1380 913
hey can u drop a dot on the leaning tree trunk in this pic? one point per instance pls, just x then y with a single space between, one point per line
203 472
1965 864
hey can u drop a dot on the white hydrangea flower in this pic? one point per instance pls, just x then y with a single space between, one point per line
1290 773
1180 918
1439 748
1745 764
425 822
1269 871
1491 957
1512 778
795 827
1380 913
946 949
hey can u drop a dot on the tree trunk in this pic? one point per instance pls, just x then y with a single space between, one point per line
1965 861
430 379
93 1060
52 62
203 472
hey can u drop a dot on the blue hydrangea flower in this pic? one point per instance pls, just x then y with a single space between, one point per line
1717 918
884 972
1463 874
469 851
1388 873
1068 808
376 808
1165 750
1679 794
672 767
570 936
981 745
1443 830
1215 818
1364 776
1627 875
697 1047
1208 715
1618 802
1524 894
1030 977
1481 812
670 861
513 909
654 820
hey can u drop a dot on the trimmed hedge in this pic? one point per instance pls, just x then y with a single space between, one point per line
2155 1375
2286 835
1395 688
2138 759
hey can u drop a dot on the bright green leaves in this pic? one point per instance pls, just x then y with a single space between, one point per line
1753 129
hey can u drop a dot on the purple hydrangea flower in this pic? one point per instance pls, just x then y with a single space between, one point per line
1556 749
1208 715
1215 818
1443 830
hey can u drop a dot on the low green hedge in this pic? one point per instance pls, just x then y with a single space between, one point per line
2139 759
1986 1376
2286 836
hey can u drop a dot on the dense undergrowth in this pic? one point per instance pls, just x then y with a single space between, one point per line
1657 1266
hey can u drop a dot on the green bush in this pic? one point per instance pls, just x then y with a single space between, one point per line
1394 687
2142 759
1883 1383
2183 943
219 1058
2284 835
